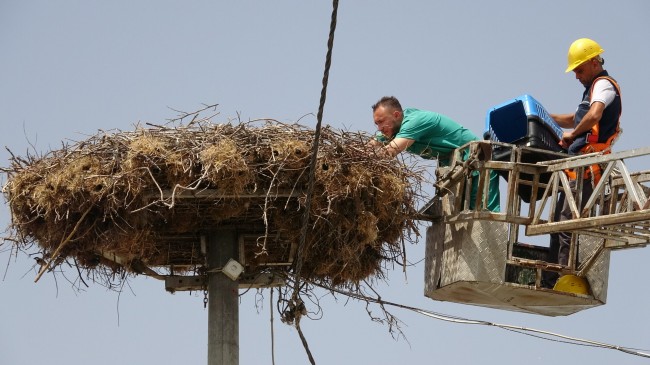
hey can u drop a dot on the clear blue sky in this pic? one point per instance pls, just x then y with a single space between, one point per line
69 68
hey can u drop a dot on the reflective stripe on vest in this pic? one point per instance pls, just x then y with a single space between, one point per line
593 135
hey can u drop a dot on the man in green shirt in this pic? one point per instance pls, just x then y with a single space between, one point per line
429 135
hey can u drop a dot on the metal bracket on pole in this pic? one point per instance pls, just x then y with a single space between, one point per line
232 269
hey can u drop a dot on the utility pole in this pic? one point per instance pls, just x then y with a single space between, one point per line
223 303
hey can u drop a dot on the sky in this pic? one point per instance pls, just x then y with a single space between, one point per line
71 68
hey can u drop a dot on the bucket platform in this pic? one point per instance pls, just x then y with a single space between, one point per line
468 263
476 257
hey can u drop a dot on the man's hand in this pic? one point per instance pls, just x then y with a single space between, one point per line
374 143
567 139
377 147
392 149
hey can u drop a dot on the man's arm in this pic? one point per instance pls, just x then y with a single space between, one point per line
588 121
392 149
563 120
398 145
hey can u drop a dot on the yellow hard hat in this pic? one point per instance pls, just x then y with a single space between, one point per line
581 51
572 284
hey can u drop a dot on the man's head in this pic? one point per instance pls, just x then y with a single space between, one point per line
584 59
387 114
587 72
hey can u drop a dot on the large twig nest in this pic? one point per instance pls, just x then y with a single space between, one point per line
125 200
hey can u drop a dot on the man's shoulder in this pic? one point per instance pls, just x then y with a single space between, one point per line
418 115
606 82
604 90
409 112
417 111
415 123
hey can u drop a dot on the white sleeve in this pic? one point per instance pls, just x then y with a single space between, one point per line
603 91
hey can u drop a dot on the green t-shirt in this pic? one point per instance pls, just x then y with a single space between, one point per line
434 134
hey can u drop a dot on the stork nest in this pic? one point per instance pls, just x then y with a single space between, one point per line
139 201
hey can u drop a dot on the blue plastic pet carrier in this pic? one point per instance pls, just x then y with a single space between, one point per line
523 121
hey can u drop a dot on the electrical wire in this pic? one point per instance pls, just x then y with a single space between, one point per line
537 333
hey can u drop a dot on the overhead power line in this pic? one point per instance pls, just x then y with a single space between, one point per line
537 333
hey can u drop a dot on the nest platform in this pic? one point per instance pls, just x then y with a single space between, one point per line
139 201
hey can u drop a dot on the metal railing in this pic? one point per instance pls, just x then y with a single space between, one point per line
617 211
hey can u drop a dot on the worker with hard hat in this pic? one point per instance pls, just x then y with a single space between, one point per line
594 128
429 135
596 121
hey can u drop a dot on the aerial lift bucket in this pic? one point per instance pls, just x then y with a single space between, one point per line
468 262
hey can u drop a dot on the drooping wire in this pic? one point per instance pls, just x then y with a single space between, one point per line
537 333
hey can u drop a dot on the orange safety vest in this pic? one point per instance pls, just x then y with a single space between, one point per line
594 171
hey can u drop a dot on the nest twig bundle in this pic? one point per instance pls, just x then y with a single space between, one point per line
138 201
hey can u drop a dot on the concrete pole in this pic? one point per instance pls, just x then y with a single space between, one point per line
223 301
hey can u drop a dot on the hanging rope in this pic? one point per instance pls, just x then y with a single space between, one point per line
314 154
272 332
296 302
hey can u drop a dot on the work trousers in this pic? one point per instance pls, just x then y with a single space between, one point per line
560 243
493 197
